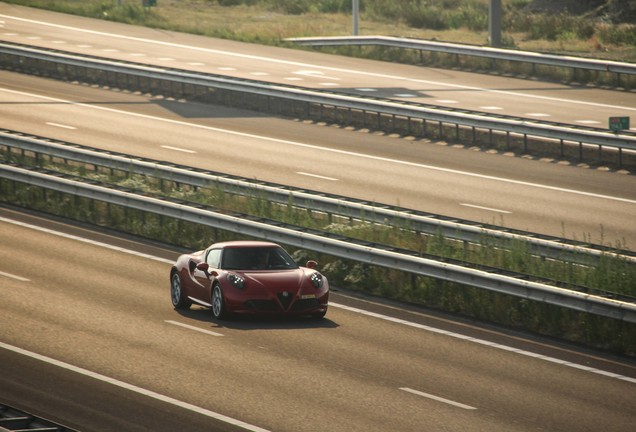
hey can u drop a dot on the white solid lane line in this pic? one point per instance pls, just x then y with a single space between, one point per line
320 67
483 342
209 332
16 277
84 240
133 388
330 150
362 311
437 398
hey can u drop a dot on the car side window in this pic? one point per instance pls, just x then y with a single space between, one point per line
213 258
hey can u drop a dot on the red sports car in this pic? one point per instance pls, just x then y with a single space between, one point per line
248 277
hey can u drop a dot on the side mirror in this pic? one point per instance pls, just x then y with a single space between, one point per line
203 266
312 264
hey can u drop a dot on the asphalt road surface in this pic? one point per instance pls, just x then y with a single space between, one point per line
88 337
87 333
541 197
500 95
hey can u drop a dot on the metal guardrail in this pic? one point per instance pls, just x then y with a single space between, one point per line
494 280
474 51
261 95
14 420
453 228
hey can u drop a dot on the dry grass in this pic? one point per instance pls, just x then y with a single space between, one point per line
258 25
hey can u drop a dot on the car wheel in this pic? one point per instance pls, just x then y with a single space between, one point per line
218 303
179 301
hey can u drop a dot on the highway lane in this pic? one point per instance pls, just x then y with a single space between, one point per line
501 95
93 309
546 198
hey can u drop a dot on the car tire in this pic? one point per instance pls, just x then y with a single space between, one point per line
218 303
179 301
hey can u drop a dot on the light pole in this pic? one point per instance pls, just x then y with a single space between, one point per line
356 8
494 23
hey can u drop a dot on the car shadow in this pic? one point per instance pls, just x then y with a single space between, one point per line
384 92
193 109
251 322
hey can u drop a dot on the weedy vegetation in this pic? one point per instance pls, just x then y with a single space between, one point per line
462 21
612 273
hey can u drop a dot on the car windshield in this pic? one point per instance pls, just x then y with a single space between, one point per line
257 258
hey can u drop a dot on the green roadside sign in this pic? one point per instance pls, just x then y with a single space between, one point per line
618 123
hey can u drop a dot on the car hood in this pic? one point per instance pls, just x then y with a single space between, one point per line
275 281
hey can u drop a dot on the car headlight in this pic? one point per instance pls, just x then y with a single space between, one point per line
236 280
316 280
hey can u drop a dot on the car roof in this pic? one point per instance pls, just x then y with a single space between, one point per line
243 244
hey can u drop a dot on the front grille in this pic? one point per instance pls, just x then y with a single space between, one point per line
304 304
262 305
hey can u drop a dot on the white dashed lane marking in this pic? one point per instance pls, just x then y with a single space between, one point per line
316 176
178 149
354 310
16 277
61 126
437 398
485 208
200 330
